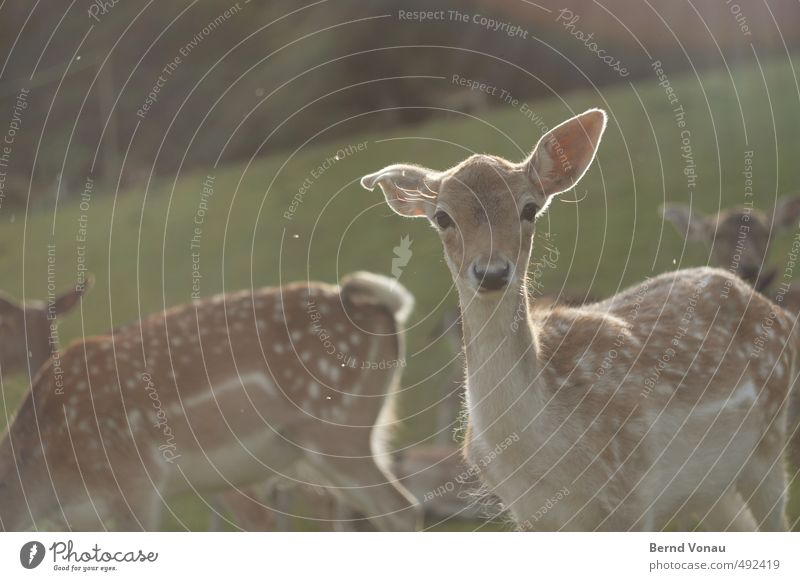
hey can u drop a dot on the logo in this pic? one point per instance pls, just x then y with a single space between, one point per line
31 554
402 255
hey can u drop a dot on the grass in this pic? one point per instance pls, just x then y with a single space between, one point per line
139 243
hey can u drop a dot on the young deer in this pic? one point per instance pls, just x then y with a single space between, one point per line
27 331
663 401
224 392
740 238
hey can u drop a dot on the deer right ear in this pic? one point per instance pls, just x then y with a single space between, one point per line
69 300
409 190
563 155
689 223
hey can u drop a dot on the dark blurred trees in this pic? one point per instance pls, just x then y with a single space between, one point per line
285 73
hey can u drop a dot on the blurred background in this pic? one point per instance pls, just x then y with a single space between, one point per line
125 123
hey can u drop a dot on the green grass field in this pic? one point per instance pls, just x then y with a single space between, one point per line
139 242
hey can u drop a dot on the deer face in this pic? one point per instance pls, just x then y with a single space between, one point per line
484 208
742 235
480 217
25 330
17 324
739 237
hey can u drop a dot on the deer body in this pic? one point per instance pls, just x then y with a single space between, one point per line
631 457
663 401
229 391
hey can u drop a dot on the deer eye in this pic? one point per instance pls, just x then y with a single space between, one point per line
443 220
529 211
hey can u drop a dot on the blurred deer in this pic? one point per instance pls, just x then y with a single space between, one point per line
667 399
739 239
216 395
28 330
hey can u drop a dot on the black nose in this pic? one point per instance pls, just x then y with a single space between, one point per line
492 277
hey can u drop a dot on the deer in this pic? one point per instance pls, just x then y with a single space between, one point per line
664 402
740 238
28 329
216 395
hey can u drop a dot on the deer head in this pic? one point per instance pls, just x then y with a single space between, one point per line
485 207
25 329
739 237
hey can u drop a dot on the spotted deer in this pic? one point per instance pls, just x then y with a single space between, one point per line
664 401
739 239
222 393
27 331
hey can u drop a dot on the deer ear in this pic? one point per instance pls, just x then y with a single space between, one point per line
67 301
787 213
689 223
564 154
410 190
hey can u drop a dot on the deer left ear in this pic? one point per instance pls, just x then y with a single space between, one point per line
564 154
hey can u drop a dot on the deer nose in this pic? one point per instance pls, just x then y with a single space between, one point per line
492 277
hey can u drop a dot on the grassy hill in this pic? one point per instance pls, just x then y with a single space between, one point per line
139 242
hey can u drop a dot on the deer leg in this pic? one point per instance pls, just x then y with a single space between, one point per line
763 484
361 484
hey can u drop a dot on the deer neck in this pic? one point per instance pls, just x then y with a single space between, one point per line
500 345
